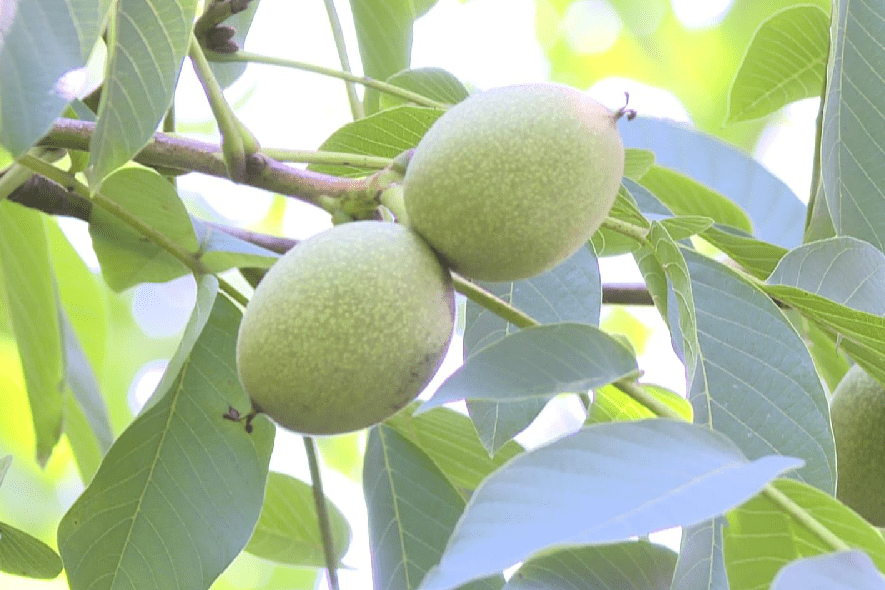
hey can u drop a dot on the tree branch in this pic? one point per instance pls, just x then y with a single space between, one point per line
190 155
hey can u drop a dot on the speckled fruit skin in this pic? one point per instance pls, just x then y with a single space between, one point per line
346 328
512 181
857 411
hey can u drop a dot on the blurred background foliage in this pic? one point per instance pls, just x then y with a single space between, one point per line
584 41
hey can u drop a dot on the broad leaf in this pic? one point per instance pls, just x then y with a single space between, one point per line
450 439
603 484
36 90
777 215
384 34
611 404
625 566
128 257
386 134
701 564
433 83
572 291
538 362
288 531
145 53
785 62
637 162
412 510
757 257
849 570
853 139
23 555
739 390
761 537
177 496
32 308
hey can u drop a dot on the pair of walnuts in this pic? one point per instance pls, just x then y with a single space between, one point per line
348 327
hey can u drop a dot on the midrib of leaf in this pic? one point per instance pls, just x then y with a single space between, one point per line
401 533
172 406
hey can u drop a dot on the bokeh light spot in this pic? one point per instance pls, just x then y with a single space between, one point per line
591 26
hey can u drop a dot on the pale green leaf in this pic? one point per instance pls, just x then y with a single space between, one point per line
602 484
412 510
23 555
288 530
149 41
538 362
43 51
853 137
385 134
845 570
785 62
624 566
761 538
128 257
611 404
31 304
756 257
637 162
179 492
433 83
739 390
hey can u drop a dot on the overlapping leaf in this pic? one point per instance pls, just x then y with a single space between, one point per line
848 570
386 134
610 403
701 563
756 381
538 362
602 484
32 308
625 566
761 537
412 510
853 138
785 62
145 53
755 256
433 83
178 494
36 90
777 215
288 531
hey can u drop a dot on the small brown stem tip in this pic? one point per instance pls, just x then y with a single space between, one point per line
624 111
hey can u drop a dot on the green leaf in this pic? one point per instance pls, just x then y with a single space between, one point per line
611 404
681 227
854 124
384 35
145 53
777 215
785 62
220 251
700 563
177 496
31 304
738 390
5 462
844 570
450 440
625 566
412 510
538 362
433 83
836 283
757 257
127 257
226 73
686 196
761 538
572 291
35 90
385 134
602 484
637 162
288 530
608 242
23 555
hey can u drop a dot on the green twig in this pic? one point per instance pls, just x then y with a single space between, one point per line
636 232
356 107
804 518
245 56
645 398
319 499
495 305
237 142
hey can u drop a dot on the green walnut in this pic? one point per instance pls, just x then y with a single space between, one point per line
512 181
857 410
346 328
